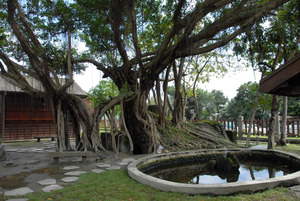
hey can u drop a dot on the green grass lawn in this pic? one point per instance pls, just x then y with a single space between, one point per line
293 148
117 185
265 136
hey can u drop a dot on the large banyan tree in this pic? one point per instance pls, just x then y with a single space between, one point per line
131 41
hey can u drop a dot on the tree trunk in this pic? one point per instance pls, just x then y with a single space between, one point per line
271 172
90 139
184 102
251 173
61 121
252 118
113 128
177 115
194 89
159 103
282 140
141 125
166 99
272 122
76 130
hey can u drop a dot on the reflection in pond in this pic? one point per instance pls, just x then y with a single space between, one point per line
201 174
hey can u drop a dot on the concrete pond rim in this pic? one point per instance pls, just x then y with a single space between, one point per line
213 189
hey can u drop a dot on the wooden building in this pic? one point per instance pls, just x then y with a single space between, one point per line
285 80
22 116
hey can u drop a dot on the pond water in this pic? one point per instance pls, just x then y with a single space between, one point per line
200 174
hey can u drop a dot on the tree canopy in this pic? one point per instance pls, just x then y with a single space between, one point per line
131 42
243 103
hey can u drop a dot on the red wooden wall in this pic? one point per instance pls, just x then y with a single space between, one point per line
26 117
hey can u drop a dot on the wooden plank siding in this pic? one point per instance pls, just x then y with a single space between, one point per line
283 81
27 117
23 116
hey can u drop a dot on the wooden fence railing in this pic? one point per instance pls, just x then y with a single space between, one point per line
260 127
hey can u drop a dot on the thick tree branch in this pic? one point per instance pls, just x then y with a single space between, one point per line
199 14
40 67
177 13
116 19
294 50
28 29
247 19
39 49
134 34
98 65
14 73
111 72
277 56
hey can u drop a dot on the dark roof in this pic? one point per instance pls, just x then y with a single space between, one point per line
9 85
283 81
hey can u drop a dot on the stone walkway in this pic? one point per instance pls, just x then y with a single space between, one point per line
71 175
259 147
70 172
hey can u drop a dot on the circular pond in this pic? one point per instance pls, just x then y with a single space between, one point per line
194 172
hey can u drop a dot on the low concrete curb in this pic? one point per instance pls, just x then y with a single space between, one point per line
212 189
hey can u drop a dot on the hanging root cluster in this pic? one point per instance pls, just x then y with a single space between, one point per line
192 136
149 123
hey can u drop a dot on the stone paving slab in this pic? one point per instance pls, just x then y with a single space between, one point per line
18 199
18 191
122 163
129 159
259 147
69 179
114 168
97 170
70 168
11 150
40 152
22 150
75 173
37 149
47 182
103 165
52 188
